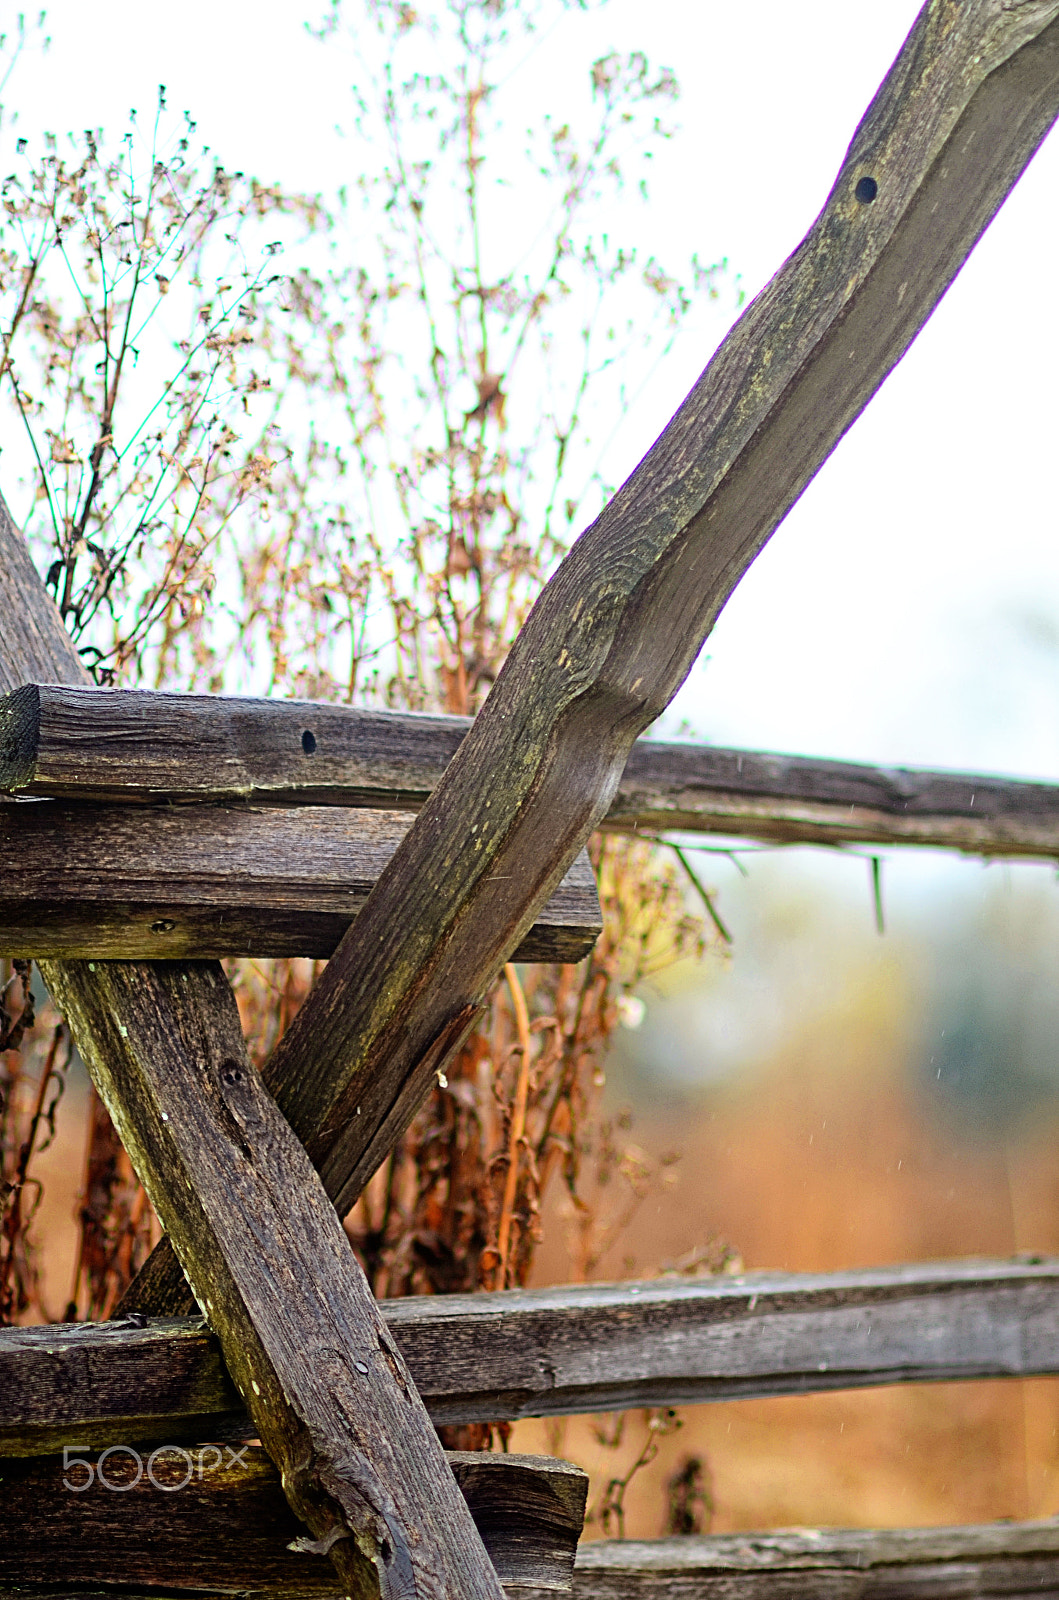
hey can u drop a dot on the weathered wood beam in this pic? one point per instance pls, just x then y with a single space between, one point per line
326 1388
186 882
546 1352
214 1518
132 746
1016 1560
615 632
136 745
746 794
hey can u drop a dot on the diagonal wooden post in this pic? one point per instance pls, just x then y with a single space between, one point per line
256 1234
611 639
968 100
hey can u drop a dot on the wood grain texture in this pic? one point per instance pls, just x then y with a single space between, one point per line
325 1385
215 1518
614 633
227 1531
135 746
546 1352
180 882
1017 1560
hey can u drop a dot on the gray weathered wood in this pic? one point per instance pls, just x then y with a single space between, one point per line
325 1385
749 794
34 645
545 1352
215 1518
1017 1560
137 746
179 882
614 633
226 1534
132 744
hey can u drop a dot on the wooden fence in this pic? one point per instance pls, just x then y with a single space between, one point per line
419 864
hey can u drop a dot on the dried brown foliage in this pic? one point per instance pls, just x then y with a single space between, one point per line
118 1226
33 1065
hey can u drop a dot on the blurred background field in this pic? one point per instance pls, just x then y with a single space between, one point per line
843 1099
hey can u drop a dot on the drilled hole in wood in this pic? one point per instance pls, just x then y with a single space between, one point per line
308 742
866 190
231 1072
163 925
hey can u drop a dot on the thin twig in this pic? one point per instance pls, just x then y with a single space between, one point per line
518 1120
703 893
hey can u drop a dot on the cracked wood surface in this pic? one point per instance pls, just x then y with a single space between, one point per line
137 746
1014 1560
548 1352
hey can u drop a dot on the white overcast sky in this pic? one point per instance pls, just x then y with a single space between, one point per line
908 610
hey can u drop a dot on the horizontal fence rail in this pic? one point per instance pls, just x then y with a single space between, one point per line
1014 1560
548 1352
133 745
172 882
213 1543
215 1521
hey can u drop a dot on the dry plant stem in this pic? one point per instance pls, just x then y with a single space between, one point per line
658 1424
92 244
518 1122
116 1219
13 1217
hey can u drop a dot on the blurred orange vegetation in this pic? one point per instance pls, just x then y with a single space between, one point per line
828 1157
